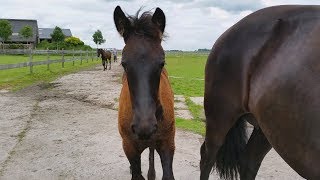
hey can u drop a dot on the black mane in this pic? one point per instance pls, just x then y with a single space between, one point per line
143 26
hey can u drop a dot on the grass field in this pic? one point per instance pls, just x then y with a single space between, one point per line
15 79
186 72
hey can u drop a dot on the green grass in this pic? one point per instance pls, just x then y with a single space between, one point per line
189 125
15 79
186 74
196 110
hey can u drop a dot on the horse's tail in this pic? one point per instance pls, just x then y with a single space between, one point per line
228 156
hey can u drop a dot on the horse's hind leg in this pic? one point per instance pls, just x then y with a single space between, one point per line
220 119
151 172
104 65
134 157
110 64
256 149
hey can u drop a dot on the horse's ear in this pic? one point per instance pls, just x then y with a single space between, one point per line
121 21
159 18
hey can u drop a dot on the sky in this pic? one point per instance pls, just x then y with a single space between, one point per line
191 24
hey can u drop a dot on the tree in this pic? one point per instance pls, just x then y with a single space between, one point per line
26 32
98 38
57 35
5 30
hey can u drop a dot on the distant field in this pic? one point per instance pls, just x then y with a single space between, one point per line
186 72
15 79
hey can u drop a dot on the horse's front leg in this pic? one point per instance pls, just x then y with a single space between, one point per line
134 157
110 65
151 171
166 152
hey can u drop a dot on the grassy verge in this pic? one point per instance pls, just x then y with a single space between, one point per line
194 126
15 79
186 73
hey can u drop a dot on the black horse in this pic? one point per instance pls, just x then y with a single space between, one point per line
265 69
106 57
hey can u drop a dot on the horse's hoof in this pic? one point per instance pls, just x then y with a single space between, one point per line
138 178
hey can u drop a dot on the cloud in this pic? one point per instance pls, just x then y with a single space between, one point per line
190 24
283 2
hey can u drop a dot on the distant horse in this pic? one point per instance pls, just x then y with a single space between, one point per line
265 69
146 111
105 57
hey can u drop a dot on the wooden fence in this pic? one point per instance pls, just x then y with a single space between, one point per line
72 56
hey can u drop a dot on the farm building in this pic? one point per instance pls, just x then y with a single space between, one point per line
45 33
17 25
39 34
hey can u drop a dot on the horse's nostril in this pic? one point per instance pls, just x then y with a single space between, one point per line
133 129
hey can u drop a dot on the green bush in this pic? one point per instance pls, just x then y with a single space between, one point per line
73 41
62 45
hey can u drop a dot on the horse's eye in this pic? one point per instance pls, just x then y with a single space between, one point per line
162 64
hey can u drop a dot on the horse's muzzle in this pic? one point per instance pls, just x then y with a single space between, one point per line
144 132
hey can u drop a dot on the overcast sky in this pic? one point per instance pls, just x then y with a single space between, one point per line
191 24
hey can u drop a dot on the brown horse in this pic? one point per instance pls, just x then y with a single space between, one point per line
265 69
146 111
105 57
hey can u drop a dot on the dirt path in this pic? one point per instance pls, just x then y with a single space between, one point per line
68 130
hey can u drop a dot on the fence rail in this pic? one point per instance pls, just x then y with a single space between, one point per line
84 55
39 52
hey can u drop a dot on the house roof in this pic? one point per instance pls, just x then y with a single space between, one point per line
18 24
45 33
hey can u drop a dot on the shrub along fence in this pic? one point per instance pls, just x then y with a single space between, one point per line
66 56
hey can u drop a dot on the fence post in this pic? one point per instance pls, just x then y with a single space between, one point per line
73 57
87 56
62 58
80 57
48 59
30 62
92 55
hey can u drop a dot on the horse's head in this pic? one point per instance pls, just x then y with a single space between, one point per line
143 59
